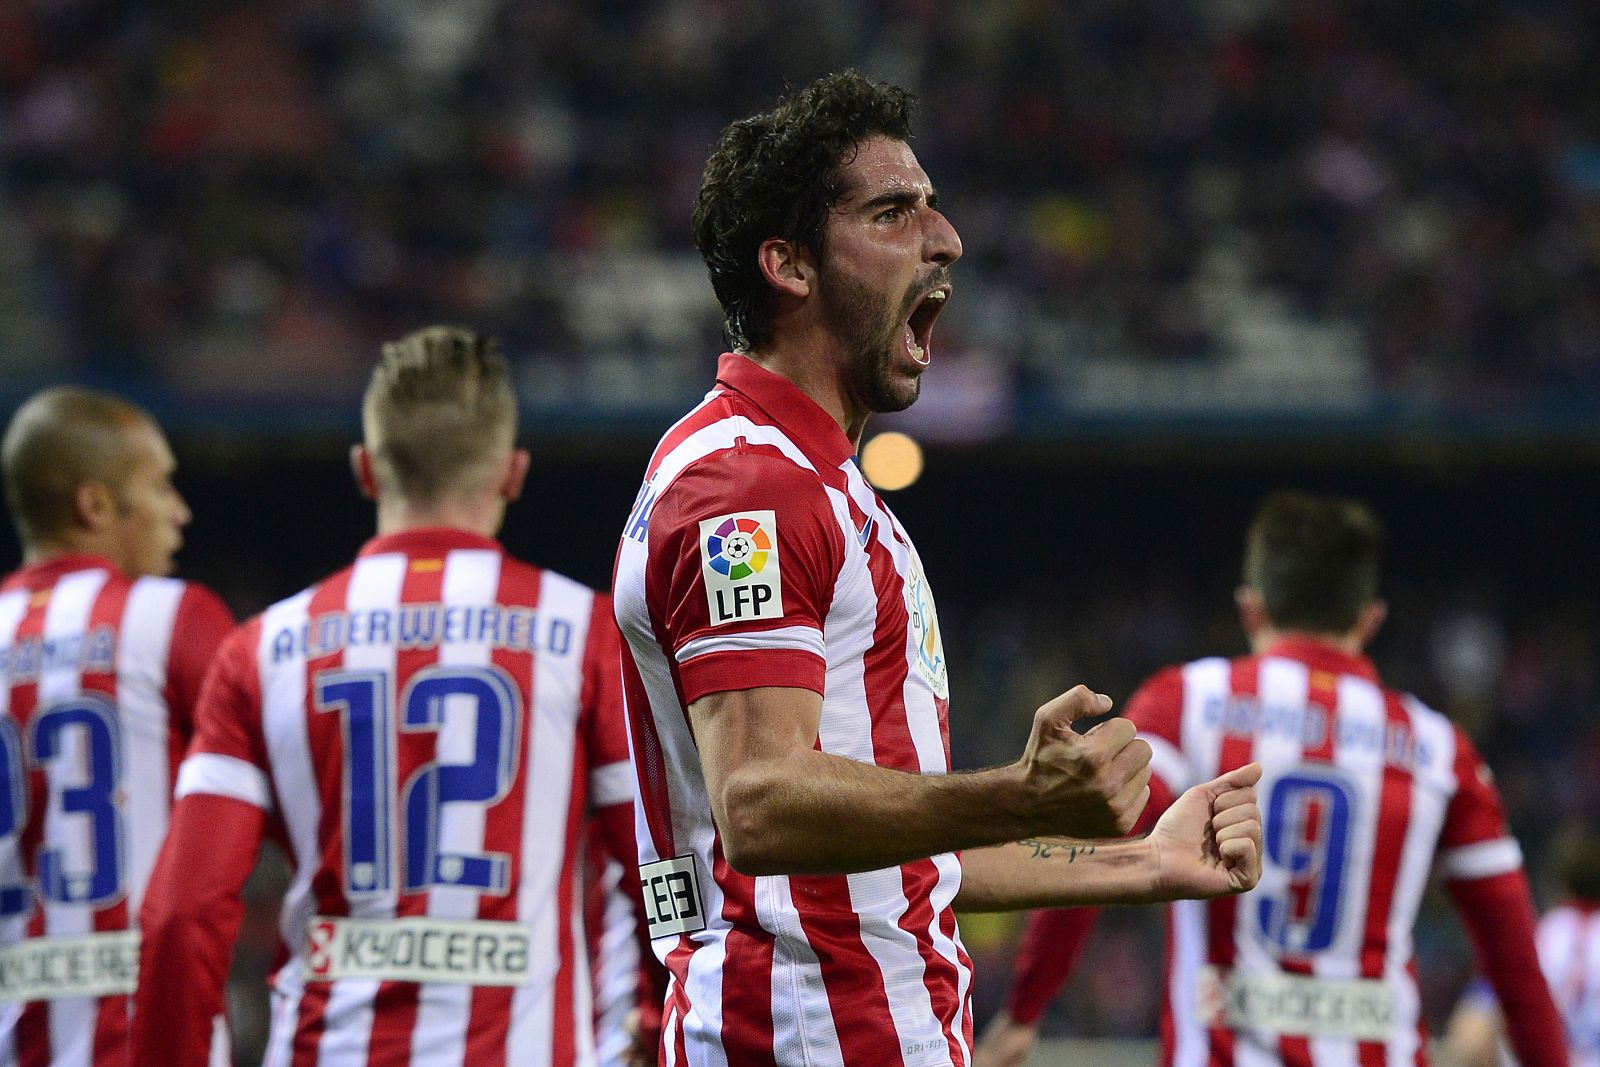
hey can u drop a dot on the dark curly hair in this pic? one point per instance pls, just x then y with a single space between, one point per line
776 174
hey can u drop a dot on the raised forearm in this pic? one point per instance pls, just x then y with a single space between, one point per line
1045 872
817 813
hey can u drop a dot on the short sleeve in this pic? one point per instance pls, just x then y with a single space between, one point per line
1157 710
606 730
744 554
228 755
202 622
1474 842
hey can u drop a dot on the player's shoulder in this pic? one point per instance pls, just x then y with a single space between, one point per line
519 576
727 434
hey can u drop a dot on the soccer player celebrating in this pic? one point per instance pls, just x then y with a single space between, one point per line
418 732
101 659
1366 790
783 669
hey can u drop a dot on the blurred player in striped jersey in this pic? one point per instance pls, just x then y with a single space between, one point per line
418 732
101 660
1365 790
1569 954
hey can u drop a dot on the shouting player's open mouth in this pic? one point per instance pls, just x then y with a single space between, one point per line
919 324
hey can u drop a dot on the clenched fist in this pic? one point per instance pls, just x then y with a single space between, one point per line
1208 844
1085 785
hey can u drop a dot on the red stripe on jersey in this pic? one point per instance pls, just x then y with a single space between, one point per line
1222 914
857 999
1394 819
1168 1027
312 1014
564 1050
1322 690
747 970
33 1022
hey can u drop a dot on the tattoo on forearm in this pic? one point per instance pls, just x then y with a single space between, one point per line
1043 850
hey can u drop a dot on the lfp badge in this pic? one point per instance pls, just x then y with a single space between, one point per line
739 562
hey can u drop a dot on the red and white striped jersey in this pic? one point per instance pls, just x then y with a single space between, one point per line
421 727
613 958
610 921
756 555
1363 792
98 678
1569 954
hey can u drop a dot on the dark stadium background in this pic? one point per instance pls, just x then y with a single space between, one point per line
1212 249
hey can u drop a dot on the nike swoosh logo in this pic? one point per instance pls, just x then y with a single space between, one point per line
864 534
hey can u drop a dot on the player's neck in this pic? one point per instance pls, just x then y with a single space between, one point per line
1264 638
45 551
481 517
810 362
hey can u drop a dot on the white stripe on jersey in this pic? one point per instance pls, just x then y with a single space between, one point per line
1202 680
143 645
545 802
288 751
1483 860
1279 684
72 1021
799 638
224 776
611 784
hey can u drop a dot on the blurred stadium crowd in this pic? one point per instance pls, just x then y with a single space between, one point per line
1158 202
1406 195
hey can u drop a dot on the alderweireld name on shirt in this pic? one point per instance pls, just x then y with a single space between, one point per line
425 626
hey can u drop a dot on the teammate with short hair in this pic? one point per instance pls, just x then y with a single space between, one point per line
418 731
101 660
1366 790
783 669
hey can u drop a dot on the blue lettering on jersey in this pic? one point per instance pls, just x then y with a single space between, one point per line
425 626
92 653
1246 717
638 524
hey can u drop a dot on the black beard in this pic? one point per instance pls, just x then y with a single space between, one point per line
850 311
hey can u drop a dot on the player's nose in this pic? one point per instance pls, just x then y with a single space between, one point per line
942 244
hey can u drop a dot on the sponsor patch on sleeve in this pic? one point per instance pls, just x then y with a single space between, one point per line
672 901
739 563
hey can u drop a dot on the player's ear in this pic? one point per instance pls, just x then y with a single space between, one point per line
516 472
1252 610
361 468
1369 621
94 505
787 266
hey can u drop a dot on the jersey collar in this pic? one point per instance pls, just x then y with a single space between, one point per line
801 417
1322 655
428 540
47 572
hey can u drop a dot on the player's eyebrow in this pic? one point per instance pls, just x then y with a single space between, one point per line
900 197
